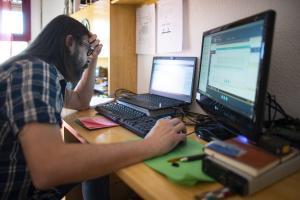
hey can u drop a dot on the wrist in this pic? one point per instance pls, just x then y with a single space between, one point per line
151 149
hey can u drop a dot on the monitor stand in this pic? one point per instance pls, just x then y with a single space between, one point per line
214 131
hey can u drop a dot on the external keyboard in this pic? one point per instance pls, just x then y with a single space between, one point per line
134 120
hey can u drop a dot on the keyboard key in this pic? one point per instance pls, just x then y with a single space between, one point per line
135 121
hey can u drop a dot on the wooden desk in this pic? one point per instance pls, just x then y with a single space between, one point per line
151 185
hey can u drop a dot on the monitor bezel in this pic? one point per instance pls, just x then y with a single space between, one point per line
184 98
251 128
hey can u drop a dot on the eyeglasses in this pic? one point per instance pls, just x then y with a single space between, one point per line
89 47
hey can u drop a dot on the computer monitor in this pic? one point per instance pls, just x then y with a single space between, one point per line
234 70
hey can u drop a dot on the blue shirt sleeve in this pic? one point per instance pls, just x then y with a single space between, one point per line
35 95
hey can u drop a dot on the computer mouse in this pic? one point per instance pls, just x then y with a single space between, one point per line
204 135
212 132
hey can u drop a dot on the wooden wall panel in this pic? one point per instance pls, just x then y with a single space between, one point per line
122 69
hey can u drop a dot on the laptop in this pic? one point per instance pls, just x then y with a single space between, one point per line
171 84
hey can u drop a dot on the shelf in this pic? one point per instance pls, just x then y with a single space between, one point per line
115 26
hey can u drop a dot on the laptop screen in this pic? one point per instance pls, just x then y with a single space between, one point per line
173 77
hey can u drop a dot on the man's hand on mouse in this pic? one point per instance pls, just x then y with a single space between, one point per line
165 135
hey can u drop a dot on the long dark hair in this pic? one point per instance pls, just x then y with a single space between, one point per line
50 46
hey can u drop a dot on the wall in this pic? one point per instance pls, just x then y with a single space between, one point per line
202 15
42 12
51 9
35 18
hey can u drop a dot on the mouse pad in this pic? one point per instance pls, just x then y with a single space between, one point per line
186 173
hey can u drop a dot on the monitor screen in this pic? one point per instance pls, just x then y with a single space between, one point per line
173 77
234 71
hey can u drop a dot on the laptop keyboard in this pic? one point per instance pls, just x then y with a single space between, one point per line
135 121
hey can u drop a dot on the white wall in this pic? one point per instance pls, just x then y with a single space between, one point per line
35 18
51 9
42 12
202 15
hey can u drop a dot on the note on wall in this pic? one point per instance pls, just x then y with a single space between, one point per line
169 26
145 29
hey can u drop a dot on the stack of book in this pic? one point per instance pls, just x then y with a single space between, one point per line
242 156
246 168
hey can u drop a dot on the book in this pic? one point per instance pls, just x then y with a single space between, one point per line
253 160
92 123
293 152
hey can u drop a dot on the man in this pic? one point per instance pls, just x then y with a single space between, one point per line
35 162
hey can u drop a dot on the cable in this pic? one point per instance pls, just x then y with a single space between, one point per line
281 124
273 108
206 127
121 92
193 118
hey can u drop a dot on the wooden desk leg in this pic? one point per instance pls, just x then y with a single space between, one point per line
75 193
68 137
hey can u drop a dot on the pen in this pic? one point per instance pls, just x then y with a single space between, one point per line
192 158
190 133
187 158
187 133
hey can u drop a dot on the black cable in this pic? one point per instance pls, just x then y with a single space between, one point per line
195 118
274 108
123 92
207 127
268 103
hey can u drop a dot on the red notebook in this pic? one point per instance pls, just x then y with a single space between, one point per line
98 122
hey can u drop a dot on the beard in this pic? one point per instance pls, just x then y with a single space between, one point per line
77 64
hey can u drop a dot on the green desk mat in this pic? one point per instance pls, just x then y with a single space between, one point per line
187 173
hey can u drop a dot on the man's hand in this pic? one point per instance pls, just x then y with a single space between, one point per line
96 45
165 135
80 97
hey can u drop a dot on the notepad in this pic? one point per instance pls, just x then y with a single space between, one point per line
98 122
186 173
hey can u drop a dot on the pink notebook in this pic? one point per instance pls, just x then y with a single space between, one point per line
98 122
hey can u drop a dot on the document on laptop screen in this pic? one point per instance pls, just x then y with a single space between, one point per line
172 76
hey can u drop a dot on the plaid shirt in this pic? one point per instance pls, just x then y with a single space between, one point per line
30 91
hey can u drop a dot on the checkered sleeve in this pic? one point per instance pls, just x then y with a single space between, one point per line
34 95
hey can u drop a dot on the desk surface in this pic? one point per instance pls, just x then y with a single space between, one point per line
152 185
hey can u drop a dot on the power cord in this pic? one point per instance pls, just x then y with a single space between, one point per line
207 127
190 118
280 123
121 92
273 108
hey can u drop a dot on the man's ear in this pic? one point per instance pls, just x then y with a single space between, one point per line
70 43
